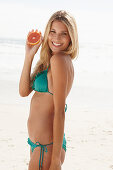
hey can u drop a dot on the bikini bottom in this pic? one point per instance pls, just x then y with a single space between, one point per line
43 148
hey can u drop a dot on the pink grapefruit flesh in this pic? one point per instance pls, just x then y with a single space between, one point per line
34 38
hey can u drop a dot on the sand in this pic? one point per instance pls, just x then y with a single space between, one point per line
88 125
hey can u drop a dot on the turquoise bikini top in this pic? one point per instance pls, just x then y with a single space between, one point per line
40 83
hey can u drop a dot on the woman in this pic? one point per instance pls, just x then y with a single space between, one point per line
51 80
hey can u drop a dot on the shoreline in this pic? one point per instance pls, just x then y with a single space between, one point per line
88 125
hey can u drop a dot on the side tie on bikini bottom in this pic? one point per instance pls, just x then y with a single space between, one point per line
65 107
43 149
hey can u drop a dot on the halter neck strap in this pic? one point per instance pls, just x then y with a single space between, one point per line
48 67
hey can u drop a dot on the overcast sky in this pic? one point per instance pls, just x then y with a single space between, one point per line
94 17
95 5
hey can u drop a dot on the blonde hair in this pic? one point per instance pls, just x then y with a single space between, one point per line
73 48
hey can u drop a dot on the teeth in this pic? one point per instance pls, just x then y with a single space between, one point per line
56 44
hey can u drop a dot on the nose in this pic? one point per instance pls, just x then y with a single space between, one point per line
57 37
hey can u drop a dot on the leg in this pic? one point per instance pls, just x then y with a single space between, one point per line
63 153
35 151
33 163
35 156
34 160
30 152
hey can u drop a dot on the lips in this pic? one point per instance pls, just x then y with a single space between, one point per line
56 44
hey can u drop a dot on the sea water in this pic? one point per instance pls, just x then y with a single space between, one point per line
89 115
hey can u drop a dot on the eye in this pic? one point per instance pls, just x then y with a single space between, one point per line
52 31
64 33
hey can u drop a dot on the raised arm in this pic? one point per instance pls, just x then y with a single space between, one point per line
24 84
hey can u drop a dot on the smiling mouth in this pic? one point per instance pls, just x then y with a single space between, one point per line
56 44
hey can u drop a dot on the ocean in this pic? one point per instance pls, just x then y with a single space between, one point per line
93 57
89 117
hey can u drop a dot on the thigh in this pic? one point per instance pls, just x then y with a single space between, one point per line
63 153
35 156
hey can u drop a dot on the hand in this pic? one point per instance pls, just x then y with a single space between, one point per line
32 49
55 166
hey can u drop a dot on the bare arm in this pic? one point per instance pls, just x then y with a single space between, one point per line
24 85
25 81
59 76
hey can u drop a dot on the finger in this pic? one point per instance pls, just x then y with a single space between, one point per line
28 34
40 32
42 38
27 41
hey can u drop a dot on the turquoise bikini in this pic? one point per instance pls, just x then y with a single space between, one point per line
40 84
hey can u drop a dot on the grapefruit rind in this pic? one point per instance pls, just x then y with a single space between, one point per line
31 34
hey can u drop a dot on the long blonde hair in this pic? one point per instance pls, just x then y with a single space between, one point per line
45 53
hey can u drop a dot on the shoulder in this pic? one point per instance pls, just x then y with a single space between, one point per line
59 77
59 69
62 73
62 63
59 61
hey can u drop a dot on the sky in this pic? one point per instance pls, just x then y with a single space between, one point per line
98 5
93 17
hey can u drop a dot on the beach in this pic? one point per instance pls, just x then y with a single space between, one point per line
88 123
89 115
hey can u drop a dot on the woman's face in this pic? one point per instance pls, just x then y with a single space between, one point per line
58 38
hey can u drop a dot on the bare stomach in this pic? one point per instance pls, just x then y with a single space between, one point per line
40 121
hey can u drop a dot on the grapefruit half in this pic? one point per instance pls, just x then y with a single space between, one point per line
34 37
